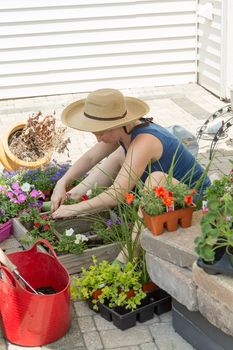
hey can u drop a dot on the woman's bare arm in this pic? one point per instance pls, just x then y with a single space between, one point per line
141 151
98 152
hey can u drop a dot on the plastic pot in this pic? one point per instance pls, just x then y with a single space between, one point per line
6 230
157 223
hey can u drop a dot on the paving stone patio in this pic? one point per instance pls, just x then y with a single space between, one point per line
187 105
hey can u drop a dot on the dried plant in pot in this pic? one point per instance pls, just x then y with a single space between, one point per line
31 144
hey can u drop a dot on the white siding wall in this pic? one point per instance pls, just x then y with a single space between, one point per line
211 49
62 46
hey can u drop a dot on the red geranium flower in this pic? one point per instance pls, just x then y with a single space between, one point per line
46 227
160 191
188 199
37 224
168 201
44 217
84 197
129 197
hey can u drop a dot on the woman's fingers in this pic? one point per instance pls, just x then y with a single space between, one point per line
57 199
63 211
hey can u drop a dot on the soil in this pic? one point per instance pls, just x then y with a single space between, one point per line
46 290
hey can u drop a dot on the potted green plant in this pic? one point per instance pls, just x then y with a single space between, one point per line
217 223
167 206
95 282
117 292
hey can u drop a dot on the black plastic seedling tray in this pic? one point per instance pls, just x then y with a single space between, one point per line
222 266
157 302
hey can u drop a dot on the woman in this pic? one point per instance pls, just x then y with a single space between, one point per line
134 147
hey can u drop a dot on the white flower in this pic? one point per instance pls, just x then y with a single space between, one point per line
80 238
89 192
69 232
26 187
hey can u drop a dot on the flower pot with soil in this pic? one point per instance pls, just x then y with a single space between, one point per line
168 207
30 144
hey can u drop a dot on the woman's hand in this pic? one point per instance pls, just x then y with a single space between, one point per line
58 197
64 211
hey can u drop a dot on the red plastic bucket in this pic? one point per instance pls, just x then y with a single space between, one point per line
30 319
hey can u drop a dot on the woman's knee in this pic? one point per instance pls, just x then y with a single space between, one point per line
156 178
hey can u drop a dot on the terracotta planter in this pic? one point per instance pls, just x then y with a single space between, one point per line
9 160
170 221
6 230
96 293
48 194
149 287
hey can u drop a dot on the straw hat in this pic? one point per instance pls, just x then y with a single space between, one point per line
102 110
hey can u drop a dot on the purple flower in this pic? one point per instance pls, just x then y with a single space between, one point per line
42 195
118 221
16 187
22 198
2 188
2 211
32 204
39 203
35 193
109 223
10 194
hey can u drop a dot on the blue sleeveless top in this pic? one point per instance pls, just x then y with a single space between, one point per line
185 168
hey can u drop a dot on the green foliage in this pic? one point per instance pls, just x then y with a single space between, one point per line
217 223
74 243
118 286
42 226
97 276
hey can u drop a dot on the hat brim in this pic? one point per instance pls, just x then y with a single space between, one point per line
73 116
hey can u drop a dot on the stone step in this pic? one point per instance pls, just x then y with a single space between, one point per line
175 247
219 287
175 280
215 312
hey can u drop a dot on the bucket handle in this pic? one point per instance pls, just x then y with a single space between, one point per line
47 244
9 277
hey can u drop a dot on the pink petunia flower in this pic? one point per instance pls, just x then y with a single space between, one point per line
34 193
22 198
16 187
10 194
